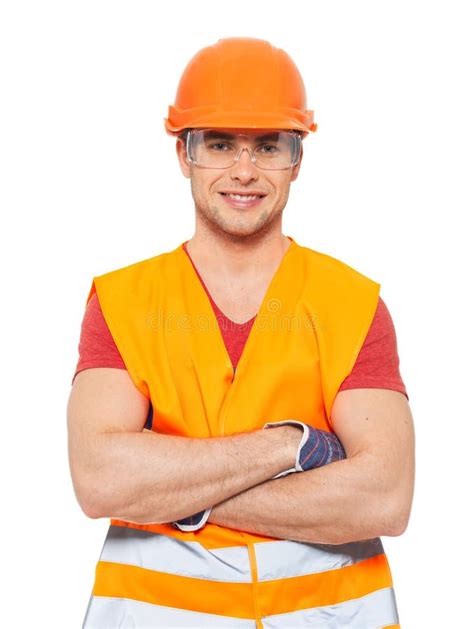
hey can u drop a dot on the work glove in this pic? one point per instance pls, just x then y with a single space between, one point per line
193 522
317 447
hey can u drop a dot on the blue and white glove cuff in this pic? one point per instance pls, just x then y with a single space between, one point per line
193 522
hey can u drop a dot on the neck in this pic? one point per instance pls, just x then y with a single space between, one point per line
237 258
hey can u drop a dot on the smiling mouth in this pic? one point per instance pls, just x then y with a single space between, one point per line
243 197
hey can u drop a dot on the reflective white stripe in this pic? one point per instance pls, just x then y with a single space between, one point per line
283 559
123 613
372 611
164 553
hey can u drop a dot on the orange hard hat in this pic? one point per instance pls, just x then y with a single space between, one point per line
240 82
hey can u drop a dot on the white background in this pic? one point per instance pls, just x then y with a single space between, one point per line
90 182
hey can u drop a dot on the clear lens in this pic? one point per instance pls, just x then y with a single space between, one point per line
270 150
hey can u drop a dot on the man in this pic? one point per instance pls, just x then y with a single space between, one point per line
210 373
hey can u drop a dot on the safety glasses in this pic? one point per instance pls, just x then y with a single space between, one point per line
270 150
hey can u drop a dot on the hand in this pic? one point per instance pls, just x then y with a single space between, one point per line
320 449
315 448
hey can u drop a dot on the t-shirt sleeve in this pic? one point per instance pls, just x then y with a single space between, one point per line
97 347
377 365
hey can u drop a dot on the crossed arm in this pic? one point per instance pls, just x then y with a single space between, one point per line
119 471
366 495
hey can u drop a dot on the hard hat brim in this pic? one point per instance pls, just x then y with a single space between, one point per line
208 118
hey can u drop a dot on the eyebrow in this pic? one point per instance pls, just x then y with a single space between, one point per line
213 134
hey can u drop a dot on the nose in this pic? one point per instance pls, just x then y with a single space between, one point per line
244 169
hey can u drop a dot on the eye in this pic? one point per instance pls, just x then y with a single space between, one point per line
218 146
268 146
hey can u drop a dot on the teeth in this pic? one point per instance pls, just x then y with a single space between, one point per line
243 197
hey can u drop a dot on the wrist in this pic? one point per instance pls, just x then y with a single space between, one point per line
286 441
292 439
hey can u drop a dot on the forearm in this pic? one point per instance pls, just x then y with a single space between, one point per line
149 477
338 503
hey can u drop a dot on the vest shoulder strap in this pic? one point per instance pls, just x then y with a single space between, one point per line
343 304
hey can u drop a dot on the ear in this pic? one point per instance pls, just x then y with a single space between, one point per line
296 169
182 157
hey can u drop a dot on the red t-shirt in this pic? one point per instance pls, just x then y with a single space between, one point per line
377 365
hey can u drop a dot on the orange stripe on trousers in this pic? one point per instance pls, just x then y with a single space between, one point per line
159 588
281 596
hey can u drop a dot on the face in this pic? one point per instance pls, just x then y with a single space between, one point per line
210 189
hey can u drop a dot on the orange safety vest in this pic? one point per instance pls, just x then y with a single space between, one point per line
304 341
